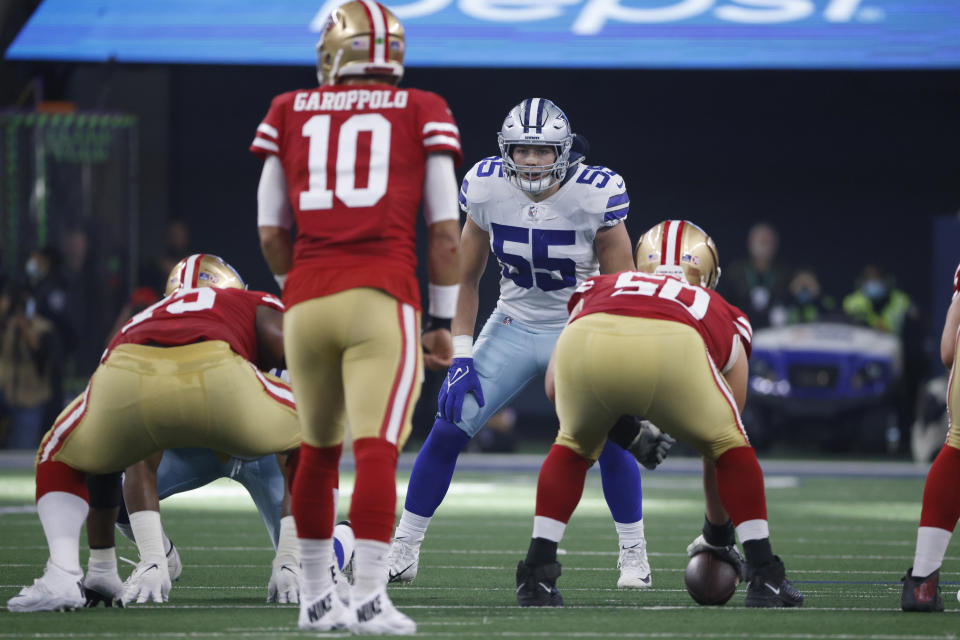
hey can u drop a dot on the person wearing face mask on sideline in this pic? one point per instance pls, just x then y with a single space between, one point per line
758 284
807 302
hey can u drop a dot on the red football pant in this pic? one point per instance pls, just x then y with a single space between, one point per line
740 482
941 493
560 483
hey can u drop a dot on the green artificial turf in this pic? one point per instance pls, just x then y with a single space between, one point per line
846 542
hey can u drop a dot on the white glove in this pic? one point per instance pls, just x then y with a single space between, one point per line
651 445
102 585
728 554
150 581
284 585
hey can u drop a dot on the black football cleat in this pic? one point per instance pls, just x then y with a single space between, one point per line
769 587
921 594
537 586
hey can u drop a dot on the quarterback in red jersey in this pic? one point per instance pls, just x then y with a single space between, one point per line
941 501
662 344
349 162
182 373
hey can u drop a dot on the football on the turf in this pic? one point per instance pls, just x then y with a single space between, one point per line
710 580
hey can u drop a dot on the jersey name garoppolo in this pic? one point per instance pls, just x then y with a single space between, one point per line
723 327
354 158
195 315
544 248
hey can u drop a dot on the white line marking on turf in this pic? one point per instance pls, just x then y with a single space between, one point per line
6 511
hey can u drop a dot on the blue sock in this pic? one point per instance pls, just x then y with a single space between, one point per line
620 477
433 469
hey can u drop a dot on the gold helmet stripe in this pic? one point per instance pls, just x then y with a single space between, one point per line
379 35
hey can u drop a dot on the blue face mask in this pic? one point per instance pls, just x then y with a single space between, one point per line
875 289
803 296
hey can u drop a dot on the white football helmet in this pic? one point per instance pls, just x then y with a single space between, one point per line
535 121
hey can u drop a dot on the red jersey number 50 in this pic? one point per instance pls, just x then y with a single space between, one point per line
317 129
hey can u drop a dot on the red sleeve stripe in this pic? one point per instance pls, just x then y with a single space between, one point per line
273 302
276 390
379 36
440 126
268 130
448 141
266 144
743 326
406 378
63 427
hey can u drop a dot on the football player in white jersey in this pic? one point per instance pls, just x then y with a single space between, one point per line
551 220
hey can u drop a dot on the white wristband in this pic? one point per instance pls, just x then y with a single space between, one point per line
280 278
462 346
443 300
148 534
288 545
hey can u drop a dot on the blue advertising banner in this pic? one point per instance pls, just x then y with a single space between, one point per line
820 34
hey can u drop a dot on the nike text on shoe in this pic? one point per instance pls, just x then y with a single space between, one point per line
376 615
769 587
55 590
634 567
537 586
325 613
403 561
921 594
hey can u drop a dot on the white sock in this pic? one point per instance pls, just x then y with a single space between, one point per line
548 528
412 528
630 533
288 546
62 515
753 530
369 568
148 535
316 556
931 546
103 560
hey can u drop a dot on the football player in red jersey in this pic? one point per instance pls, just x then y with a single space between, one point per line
660 343
181 373
350 161
941 500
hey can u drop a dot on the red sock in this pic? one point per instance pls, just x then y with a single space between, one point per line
312 498
57 476
372 509
740 481
941 499
560 483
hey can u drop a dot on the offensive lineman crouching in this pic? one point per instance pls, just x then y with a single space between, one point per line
180 373
641 344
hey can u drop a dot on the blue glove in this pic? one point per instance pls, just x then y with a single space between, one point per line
461 380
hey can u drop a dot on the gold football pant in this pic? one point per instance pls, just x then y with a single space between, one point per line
609 365
354 359
146 399
953 402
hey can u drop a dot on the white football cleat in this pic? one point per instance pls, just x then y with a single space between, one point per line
150 581
634 567
174 566
284 585
376 615
55 590
326 613
403 561
102 584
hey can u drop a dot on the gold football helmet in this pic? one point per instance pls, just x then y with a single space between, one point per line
682 249
360 38
203 270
